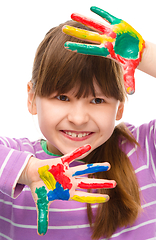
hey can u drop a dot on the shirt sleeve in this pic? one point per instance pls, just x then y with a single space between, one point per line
14 155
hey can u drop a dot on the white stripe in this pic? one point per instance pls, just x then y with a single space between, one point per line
131 152
138 132
151 238
134 228
26 189
36 142
18 225
1 234
149 204
50 209
41 151
147 165
5 161
69 227
5 144
17 206
7 141
50 227
26 143
153 165
141 168
148 186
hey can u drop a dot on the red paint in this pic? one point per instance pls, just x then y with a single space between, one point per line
58 173
95 185
77 153
91 23
110 48
129 66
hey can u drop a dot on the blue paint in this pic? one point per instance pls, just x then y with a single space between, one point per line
91 169
58 193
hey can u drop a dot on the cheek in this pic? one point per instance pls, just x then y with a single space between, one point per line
106 123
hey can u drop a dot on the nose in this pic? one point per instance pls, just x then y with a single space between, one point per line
78 114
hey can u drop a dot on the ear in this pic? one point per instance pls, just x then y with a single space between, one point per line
31 103
120 111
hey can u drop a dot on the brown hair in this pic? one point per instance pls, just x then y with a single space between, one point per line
58 70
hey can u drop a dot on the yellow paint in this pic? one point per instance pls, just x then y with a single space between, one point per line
47 177
87 35
89 199
129 90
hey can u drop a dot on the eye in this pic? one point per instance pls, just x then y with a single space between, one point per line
62 98
98 100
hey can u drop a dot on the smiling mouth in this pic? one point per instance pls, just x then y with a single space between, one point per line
77 135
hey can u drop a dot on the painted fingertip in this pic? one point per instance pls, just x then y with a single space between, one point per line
74 16
130 91
113 183
63 28
87 147
66 45
93 8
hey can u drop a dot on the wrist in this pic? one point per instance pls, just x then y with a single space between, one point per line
148 60
24 177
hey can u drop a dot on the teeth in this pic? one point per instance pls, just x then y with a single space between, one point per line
77 135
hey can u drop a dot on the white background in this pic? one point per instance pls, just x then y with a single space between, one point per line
23 25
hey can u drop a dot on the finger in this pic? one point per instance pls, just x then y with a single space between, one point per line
92 183
90 197
96 50
42 210
107 16
129 83
90 168
83 34
75 154
95 25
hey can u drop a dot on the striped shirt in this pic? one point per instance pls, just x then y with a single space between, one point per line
68 219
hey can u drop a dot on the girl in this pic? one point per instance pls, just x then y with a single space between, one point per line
77 99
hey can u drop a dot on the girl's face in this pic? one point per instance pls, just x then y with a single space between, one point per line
67 122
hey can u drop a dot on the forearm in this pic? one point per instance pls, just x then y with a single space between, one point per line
148 62
12 164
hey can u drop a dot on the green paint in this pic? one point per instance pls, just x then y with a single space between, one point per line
110 18
87 49
42 204
127 46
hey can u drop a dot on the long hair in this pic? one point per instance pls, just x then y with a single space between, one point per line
57 70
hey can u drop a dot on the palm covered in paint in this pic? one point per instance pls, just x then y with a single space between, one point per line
119 42
50 180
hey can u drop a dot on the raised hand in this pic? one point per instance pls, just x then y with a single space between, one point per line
50 180
118 41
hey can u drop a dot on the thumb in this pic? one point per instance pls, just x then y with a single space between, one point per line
42 206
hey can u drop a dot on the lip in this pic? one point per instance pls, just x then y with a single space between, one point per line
77 139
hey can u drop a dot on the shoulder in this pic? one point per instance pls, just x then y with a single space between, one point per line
21 144
144 131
